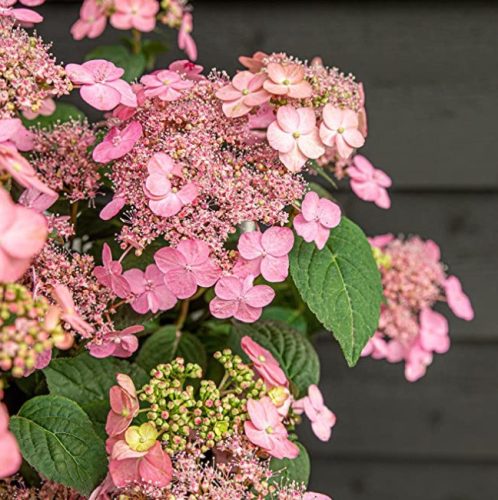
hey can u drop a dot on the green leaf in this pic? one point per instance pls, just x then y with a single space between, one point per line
341 285
63 113
151 49
287 470
291 349
56 437
133 64
165 345
287 315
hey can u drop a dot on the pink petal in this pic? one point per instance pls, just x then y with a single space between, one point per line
332 117
168 259
156 468
458 301
329 213
288 119
250 245
228 288
279 139
353 137
100 96
300 90
307 121
294 160
322 430
307 230
311 145
112 208
275 269
259 296
277 241
311 206
223 309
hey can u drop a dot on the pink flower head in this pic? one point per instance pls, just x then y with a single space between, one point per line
121 344
110 274
322 419
265 429
23 233
26 17
433 331
188 69
124 405
317 218
164 200
265 364
239 298
165 84
10 455
376 347
295 136
101 84
135 14
69 313
368 182
92 21
187 266
255 63
270 250
112 208
150 292
458 301
382 240
117 143
36 200
242 94
288 79
340 128
416 362
185 40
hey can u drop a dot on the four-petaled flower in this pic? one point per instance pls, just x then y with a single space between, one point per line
287 80
135 14
121 344
110 274
92 21
117 143
165 84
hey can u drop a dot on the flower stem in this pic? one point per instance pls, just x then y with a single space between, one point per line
136 41
183 314
321 172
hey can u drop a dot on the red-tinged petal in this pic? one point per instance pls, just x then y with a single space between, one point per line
128 97
188 193
276 72
247 313
181 282
156 467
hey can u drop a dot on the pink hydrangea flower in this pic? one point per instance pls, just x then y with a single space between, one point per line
295 136
240 299
165 84
46 109
124 405
121 344
10 455
322 419
110 274
458 301
243 93
135 14
187 68
36 200
112 208
92 21
23 235
376 347
69 312
265 429
369 183
433 331
187 266
267 367
101 84
340 128
117 143
287 79
255 63
270 251
317 218
185 40
26 17
150 292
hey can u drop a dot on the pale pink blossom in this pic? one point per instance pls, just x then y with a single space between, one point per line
164 199
458 301
265 364
255 63
369 183
121 344
26 17
243 93
270 250
110 274
376 347
135 14
165 84
416 362
124 405
10 455
101 84
382 240
315 496
150 292
187 266
70 314
117 143
295 136
287 80
265 429
318 216
112 208
240 299
23 233
46 109
185 40
92 21
433 331
188 69
340 128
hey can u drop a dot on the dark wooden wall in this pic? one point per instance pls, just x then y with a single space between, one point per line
430 71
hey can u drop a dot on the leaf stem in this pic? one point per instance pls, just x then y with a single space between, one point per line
321 172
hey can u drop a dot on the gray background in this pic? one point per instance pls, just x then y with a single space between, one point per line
430 72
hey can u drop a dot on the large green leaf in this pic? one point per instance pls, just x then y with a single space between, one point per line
133 64
341 285
56 437
166 344
291 349
287 471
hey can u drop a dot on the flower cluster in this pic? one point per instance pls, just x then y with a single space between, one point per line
414 280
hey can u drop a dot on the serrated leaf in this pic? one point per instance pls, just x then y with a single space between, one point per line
287 470
291 349
341 285
166 344
63 113
56 437
133 64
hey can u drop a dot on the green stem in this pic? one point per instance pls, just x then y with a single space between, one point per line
136 41
323 174
183 314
